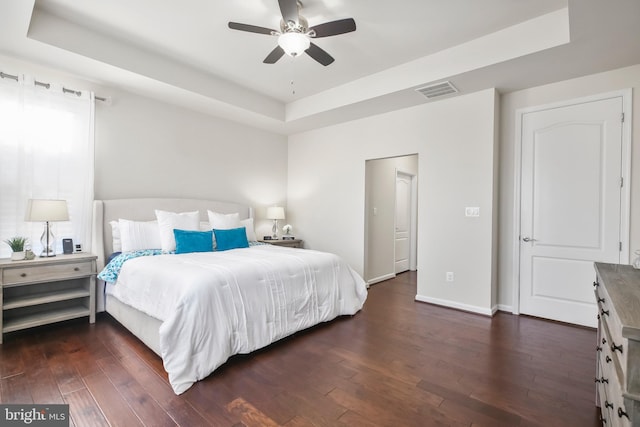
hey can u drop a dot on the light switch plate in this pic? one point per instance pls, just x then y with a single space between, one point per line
472 211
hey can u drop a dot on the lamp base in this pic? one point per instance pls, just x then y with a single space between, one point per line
48 241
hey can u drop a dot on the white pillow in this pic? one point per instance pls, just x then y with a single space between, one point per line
168 221
138 235
248 224
116 242
219 221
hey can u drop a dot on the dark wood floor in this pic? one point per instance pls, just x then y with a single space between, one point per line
396 363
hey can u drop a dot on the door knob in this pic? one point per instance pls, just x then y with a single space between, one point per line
528 239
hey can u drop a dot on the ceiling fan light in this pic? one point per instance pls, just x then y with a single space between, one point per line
294 43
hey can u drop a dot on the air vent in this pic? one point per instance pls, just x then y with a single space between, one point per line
437 90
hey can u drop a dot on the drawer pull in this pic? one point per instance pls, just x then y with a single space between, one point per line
598 317
604 380
597 380
600 299
615 348
78 269
607 359
23 274
621 413
603 420
596 284
605 312
604 340
598 348
608 404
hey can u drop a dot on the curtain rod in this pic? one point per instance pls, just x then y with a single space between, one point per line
48 85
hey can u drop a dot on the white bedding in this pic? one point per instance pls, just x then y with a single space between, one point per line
217 304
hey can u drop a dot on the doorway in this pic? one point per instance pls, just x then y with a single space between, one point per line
574 204
390 217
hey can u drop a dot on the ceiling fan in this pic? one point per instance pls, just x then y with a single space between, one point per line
295 35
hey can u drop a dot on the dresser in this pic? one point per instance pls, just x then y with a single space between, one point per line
46 290
617 292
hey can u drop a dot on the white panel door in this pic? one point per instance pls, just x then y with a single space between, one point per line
403 222
570 206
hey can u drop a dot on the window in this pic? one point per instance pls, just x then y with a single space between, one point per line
46 152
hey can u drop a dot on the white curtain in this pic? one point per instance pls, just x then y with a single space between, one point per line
46 152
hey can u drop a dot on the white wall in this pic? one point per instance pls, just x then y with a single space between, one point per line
454 139
628 77
379 248
146 148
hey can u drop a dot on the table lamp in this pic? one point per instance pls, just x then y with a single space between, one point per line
47 211
275 213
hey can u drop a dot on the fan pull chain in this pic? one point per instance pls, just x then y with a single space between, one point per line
292 82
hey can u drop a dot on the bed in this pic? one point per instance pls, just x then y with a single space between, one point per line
195 310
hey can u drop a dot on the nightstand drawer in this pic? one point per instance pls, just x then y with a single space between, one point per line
289 243
34 274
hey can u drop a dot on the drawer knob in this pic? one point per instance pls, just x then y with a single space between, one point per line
607 359
604 340
596 284
615 348
605 312
598 348
608 404
622 413
600 299
76 269
23 274
604 380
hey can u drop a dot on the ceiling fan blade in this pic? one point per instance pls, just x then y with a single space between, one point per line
334 28
289 10
275 54
250 28
319 54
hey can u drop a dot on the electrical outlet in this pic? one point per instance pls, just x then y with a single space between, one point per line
449 276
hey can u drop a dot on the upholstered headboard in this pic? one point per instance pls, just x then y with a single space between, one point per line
105 211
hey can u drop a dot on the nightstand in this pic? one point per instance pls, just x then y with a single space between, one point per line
295 243
47 290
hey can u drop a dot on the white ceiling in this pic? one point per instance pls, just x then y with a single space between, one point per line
183 52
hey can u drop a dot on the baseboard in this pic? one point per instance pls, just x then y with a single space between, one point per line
381 278
507 308
457 305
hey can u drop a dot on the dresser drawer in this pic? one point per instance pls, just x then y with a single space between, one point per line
614 394
34 274
617 291
615 343
606 406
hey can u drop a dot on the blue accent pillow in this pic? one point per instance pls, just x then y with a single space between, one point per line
231 239
112 256
193 241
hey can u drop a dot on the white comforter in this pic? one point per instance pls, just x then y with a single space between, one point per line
217 304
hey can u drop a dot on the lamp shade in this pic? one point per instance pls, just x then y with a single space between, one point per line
294 43
275 212
46 210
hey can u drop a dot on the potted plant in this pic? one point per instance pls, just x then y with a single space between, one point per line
17 246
